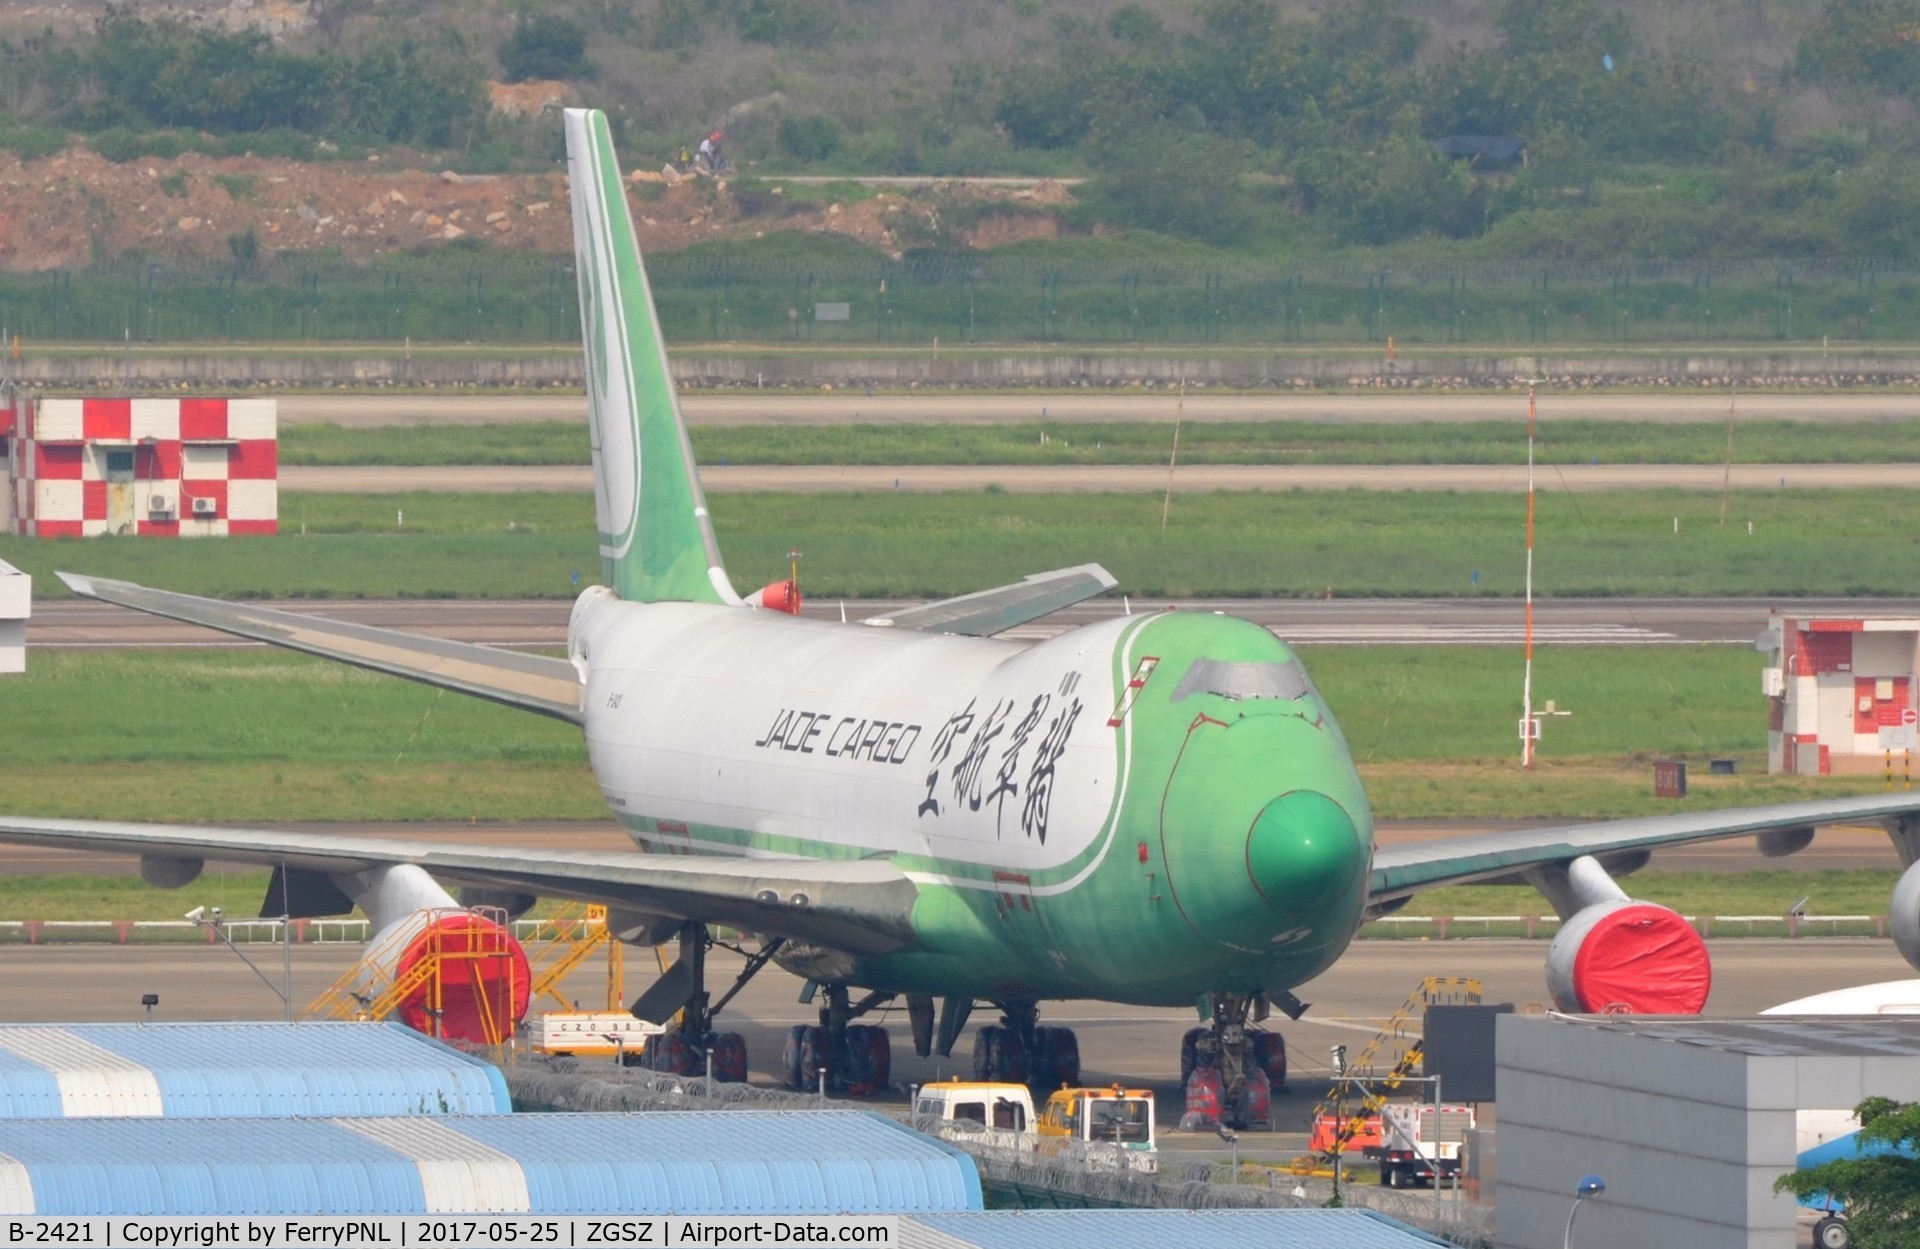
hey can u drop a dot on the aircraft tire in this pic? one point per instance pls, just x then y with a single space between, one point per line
1832 1233
792 1074
1268 1051
729 1051
1254 1110
999 1056
1056 1058
869 1065
1190 1052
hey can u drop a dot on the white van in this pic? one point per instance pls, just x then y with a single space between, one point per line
1002 1107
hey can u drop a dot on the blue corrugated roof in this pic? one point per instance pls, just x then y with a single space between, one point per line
732 1162
239 1070
798 1161
1174 1229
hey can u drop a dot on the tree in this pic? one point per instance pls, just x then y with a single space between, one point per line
545 47
1882 1190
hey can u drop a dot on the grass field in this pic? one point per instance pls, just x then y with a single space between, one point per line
252 736
1036 442
1865 892
1248 544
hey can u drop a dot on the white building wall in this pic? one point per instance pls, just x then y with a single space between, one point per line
16 604
1883 654
1689 1138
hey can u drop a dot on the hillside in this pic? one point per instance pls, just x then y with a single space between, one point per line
1641 129
67 210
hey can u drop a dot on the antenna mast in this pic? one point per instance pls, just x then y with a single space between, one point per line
1527 722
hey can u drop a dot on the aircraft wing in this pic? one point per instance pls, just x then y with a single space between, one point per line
987 612
1402 871
860 905
529 682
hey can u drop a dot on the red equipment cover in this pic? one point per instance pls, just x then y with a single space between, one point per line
1643 960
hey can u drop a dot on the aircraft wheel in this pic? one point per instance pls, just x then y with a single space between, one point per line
1268 1051
998 1055
1190 1052
869 1066
1056 1058
816 1053
792 1073
1203 1101
1832 1233
729 1051
673 1054
1255 1107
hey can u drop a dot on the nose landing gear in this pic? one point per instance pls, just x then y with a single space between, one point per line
1230 1071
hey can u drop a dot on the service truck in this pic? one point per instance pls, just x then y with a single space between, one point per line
1112 1126
606 1034
1421 1144
1104 1116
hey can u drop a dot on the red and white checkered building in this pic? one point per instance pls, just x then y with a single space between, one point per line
1840 694
186 468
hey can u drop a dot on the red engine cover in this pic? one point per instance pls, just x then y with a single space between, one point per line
1642 959
481 987
781 596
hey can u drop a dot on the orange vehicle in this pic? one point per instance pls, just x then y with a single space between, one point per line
1365 1139
1109 1116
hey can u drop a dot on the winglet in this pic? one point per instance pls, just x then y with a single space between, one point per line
656 539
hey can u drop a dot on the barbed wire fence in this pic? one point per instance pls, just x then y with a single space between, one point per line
1071 1174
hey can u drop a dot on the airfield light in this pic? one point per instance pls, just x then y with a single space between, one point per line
1589 1186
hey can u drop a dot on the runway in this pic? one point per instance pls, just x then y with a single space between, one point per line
78 624
1116 479
851 406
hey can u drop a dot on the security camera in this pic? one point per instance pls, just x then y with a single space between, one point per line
216 914
197 914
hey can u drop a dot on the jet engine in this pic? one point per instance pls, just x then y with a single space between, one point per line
1617 955
1903 915
438 967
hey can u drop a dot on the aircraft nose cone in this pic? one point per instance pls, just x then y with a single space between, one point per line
1304 854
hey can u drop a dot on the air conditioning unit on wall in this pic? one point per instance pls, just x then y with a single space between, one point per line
205 508
160 506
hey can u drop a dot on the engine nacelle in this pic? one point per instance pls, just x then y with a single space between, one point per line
1903 915
1620 956
472 981
164 872
781 596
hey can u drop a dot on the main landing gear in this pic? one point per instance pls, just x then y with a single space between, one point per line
1019 1050
692 1047
1230 1071
855 1059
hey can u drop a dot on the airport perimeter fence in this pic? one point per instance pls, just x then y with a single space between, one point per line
1010 1168
964 298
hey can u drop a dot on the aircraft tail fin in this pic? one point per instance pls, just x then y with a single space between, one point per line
656 539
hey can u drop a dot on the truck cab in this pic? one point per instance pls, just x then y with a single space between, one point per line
1112 1116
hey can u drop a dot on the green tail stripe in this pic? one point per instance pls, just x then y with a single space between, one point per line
656 541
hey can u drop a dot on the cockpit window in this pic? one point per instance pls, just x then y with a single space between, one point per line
1244 680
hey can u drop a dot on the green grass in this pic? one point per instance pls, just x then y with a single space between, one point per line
252 736
1254 544
1038 442
1829 892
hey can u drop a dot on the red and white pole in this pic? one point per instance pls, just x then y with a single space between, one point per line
1526 686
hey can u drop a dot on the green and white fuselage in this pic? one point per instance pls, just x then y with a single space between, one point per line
1208 833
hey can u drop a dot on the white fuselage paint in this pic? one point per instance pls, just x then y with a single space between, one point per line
815 737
